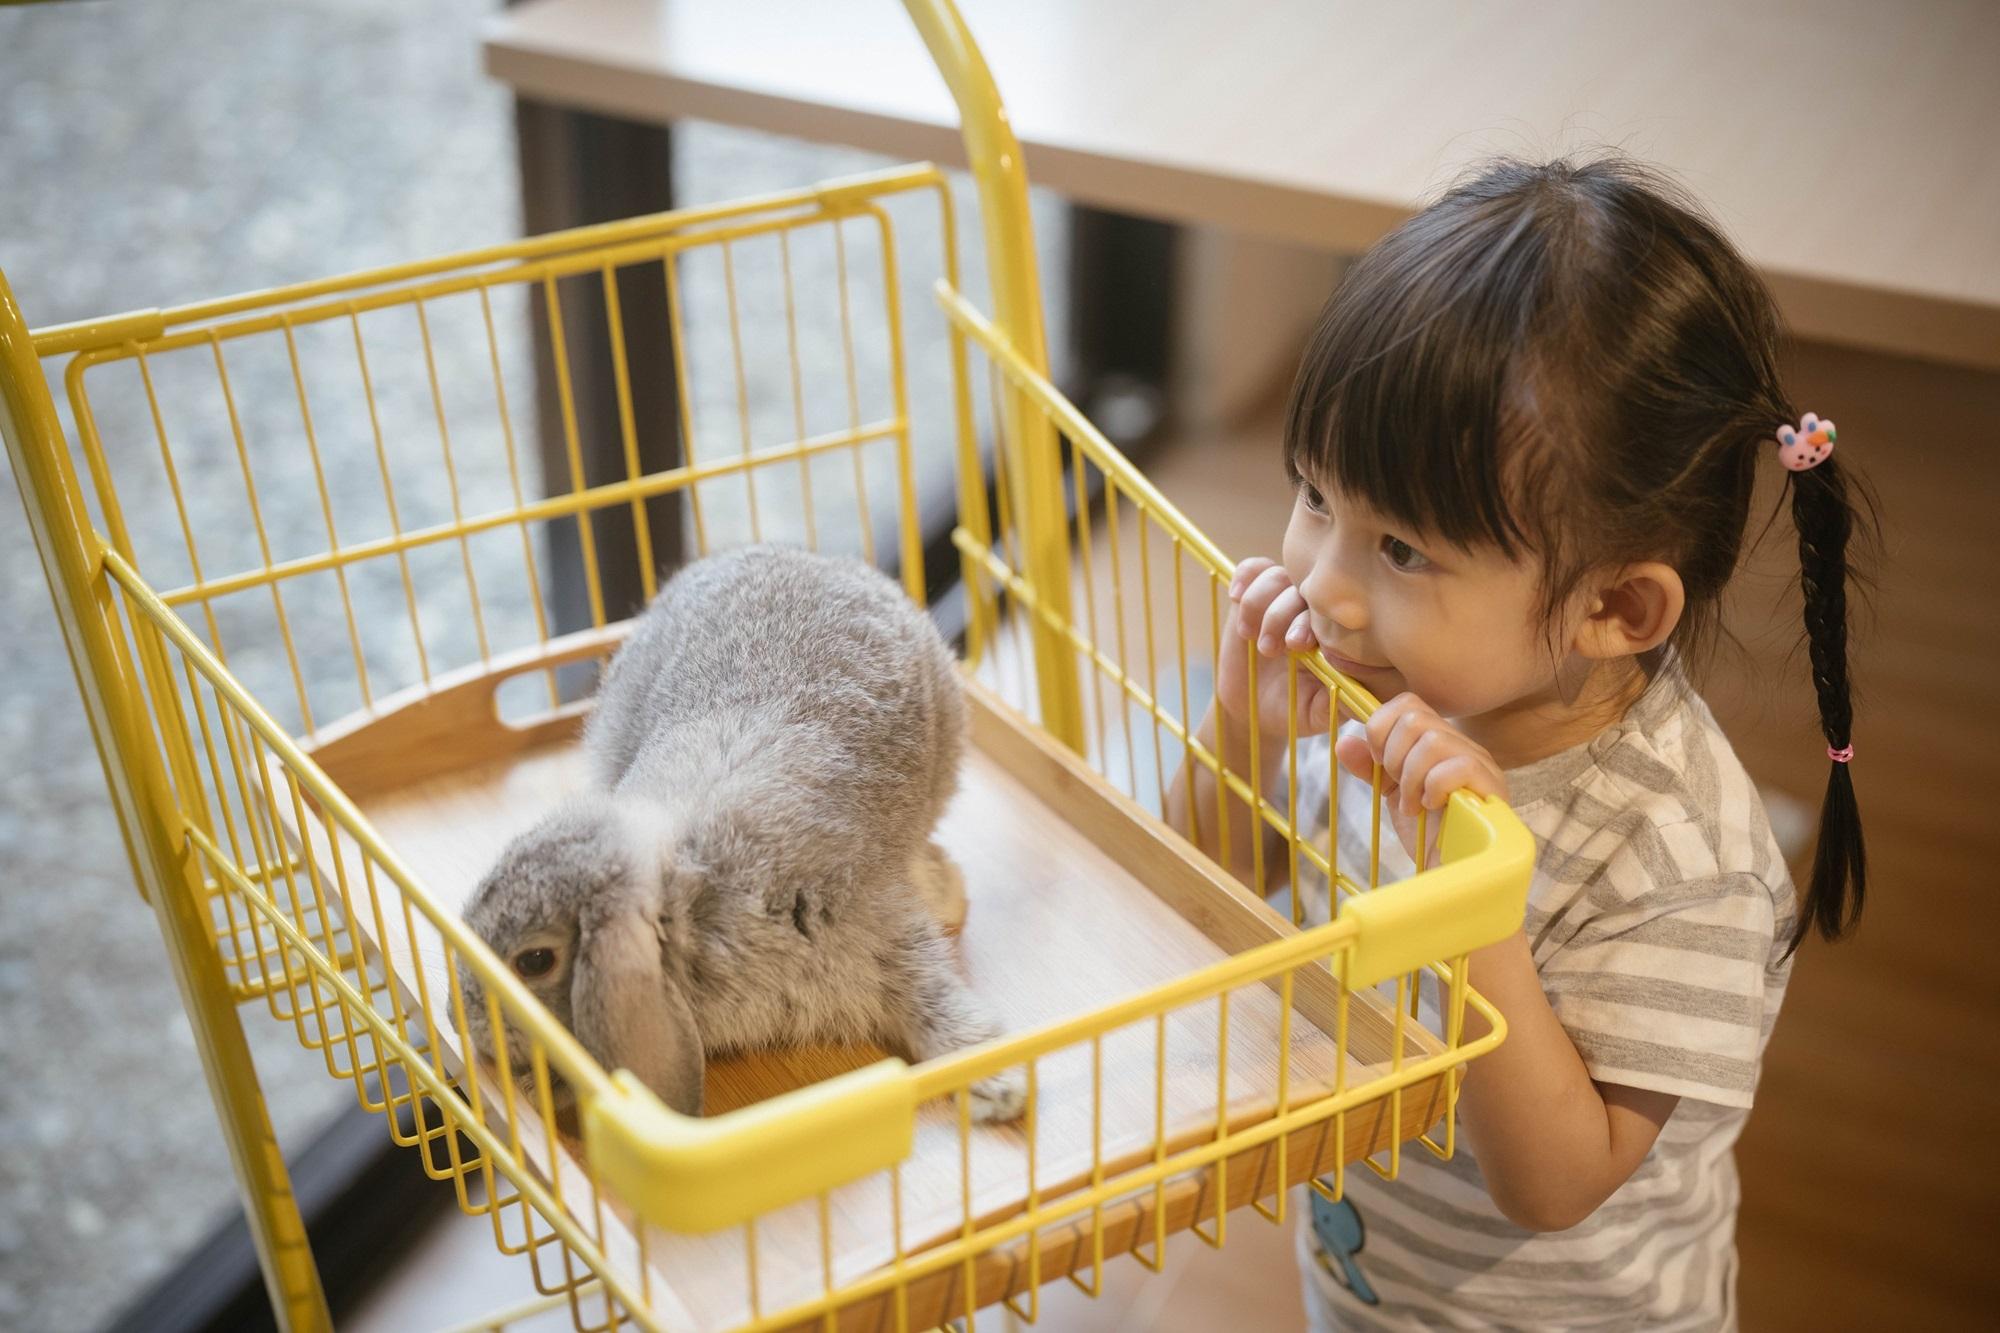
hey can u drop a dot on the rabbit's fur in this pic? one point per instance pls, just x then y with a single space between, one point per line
770 751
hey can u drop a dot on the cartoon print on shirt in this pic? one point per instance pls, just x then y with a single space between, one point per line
1341 1236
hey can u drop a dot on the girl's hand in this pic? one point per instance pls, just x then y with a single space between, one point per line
1266 610
1424 760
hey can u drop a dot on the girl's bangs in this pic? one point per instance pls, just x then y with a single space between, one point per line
1406 397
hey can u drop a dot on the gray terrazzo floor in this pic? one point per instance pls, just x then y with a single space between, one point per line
154 154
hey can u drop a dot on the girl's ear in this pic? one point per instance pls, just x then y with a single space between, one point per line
1633 611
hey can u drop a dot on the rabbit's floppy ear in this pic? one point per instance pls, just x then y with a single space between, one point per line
628 1012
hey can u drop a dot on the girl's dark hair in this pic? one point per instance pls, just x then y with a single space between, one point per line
1567 361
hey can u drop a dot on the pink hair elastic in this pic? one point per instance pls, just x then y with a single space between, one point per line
1807 446
1841 756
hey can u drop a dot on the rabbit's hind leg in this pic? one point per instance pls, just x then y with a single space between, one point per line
941 885
933 1013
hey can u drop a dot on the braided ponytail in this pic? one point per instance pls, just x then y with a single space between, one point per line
1824 515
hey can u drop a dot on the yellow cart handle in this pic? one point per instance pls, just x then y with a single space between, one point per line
1001 175
1036 474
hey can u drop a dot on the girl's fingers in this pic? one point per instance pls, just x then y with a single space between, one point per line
1256 599
1246 571
1385 720
1273 637
1460 772
1433 748
1423 760
1300 635
1357 758
1409 727
1319 710
1354 755
1263 587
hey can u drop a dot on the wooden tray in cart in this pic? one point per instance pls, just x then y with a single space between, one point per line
1077 898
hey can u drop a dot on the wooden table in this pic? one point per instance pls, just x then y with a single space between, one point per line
1846 145
1849 148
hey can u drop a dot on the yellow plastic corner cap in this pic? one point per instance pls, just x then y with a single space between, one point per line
690 1174
1467 902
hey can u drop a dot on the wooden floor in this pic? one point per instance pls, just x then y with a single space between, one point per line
1870 1198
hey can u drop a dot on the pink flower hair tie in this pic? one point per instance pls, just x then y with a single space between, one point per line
1807 446
1844 754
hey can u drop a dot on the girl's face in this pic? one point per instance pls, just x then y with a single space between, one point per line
1396 611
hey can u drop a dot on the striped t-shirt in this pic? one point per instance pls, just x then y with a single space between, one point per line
1658 916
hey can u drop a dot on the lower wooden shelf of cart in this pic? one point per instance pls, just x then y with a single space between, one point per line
1076 898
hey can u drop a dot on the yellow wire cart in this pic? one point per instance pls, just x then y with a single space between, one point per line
322 708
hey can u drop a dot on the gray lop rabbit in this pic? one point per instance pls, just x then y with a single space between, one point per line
770 752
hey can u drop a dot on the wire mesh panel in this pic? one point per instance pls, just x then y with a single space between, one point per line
408 409
1144 621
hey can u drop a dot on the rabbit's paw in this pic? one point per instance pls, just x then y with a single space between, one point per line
1001 1097
942 887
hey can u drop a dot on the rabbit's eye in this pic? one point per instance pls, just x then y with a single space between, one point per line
532 963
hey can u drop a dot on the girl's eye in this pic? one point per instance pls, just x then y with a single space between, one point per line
532 963
1314 500
1401 555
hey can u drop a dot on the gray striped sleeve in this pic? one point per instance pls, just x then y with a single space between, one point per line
1665 990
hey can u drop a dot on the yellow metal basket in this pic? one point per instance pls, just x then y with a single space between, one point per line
307 786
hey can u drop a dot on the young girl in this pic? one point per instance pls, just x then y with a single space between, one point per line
1524 438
